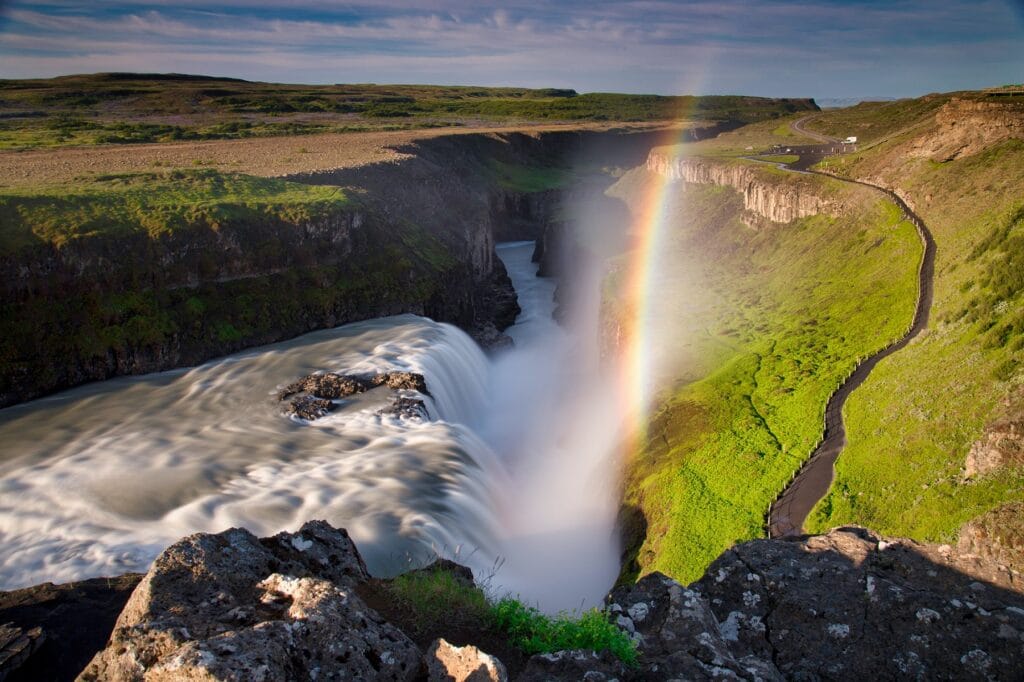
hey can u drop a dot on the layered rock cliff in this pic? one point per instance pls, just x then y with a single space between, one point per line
780 200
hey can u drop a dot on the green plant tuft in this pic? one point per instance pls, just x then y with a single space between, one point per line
536 633
431 596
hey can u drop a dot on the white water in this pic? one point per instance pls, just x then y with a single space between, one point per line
514 465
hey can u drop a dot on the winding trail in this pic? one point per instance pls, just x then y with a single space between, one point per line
786 516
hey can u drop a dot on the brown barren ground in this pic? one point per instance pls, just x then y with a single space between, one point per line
263 156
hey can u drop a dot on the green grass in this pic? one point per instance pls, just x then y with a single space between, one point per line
778 158
429 597
873 121
536 633
783 315
520 178
134 108
912 423
434 596
153 203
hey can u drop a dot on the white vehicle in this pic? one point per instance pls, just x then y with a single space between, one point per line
850 140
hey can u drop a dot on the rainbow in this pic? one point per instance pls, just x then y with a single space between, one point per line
644 261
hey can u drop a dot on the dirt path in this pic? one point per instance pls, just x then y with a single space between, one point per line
263 156
786 516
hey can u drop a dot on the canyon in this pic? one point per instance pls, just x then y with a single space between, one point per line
756 608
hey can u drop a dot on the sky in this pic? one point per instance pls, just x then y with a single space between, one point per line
782 48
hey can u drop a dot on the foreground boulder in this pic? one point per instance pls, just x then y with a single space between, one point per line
852 605
845 605
679 636
234 607
447 662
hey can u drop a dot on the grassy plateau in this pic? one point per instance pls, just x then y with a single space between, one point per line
124 108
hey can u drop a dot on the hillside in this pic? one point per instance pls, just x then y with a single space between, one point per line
959 161
768 308
788 281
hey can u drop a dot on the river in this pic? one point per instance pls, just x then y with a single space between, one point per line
513 474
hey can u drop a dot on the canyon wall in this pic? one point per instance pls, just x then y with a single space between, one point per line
779 200
417 236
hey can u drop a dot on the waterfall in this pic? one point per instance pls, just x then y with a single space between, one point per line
97 480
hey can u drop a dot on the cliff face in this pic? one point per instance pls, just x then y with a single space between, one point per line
968 126
779 202
417 237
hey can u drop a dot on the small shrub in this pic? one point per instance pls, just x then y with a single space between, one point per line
535 633
431 596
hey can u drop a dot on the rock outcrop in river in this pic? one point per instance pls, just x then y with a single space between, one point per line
846 605
313 396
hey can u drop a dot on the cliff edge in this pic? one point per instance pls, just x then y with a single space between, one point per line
844 605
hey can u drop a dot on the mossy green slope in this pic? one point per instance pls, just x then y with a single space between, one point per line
156 204
912 423
784 313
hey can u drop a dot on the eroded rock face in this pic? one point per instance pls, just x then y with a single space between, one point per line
966 127
449 663
1002 445
997 536
852 605
233 607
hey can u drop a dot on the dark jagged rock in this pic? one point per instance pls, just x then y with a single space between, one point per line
309 408
573 665
678 635
410 381
314 393
328 386
852 605
16 645
76 619
232 607
406 408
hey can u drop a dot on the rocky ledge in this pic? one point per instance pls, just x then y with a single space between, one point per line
846 605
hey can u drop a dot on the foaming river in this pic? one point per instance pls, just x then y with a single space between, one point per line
513 474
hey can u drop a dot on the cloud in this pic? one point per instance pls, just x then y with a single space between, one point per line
785 47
